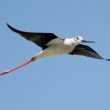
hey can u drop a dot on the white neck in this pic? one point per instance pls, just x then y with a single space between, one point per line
70 42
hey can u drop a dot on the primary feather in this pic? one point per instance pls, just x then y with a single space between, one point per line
41 39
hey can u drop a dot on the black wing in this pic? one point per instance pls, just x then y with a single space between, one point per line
85 51
41 39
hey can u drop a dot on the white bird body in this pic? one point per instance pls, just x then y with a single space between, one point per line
56 47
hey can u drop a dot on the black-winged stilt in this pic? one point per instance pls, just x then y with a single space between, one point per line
53 45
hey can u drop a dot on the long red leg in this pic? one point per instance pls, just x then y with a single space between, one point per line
13 69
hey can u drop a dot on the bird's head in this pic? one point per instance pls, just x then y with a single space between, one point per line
76 40
79 40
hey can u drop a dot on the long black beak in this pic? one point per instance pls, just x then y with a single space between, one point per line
84 41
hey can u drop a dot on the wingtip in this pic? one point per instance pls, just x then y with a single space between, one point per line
7 24
13 29
10 27
107 59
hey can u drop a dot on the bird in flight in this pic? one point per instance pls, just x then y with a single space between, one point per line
53 45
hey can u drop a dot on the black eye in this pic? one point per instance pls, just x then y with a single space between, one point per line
77 38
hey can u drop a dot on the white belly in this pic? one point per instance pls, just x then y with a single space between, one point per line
55 50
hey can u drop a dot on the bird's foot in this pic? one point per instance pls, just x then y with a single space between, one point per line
34 58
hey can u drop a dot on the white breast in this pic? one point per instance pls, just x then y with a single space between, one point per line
56 49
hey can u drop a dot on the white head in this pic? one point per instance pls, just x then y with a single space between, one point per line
79 40
76 40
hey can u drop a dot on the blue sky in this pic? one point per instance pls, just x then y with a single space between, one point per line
62 82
